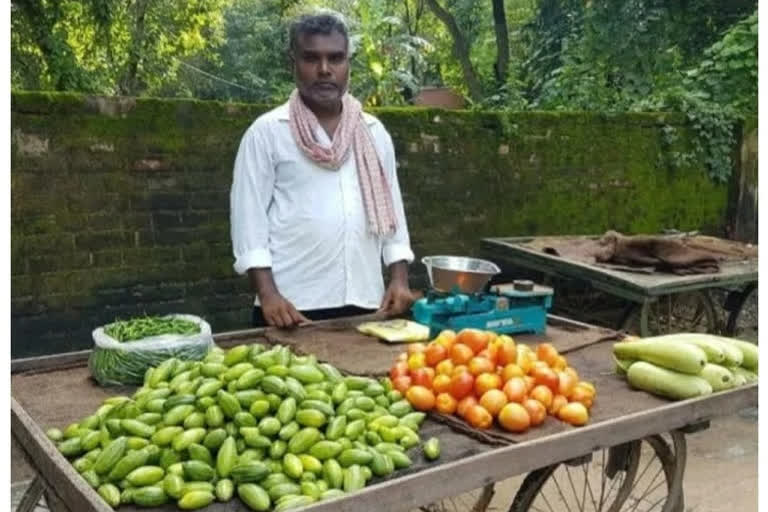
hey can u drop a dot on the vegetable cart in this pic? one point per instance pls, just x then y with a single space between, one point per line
630 456
659 303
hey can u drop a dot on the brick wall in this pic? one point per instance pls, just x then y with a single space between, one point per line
120 205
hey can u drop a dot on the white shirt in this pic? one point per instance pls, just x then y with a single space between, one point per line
308 223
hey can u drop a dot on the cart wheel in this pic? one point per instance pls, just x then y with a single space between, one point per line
636 476
473 501
743 324
679 312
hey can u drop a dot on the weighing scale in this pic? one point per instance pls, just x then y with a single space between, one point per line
458 299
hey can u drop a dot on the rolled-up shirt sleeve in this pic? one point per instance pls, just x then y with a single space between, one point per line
250 196
398 246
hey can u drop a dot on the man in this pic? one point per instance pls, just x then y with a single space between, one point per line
315 201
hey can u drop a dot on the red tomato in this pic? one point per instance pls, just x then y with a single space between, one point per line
445 403
398 370
416 348
441 383
421 377
478 365
536 411
435 353
478 417
461 354
461 385
475 339
486 381
401 383
507 352
547 377
420 398
574 413
464 404
515 389
514 417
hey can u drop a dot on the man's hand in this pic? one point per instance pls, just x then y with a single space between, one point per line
398 297
279 312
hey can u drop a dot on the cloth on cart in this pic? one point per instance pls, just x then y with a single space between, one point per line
648 254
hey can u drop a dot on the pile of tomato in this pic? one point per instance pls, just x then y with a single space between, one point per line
482 377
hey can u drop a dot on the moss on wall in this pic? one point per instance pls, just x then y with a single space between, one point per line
120 205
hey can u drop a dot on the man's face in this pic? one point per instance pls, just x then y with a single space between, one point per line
321 69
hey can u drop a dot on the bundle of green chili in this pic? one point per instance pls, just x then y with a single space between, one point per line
125 349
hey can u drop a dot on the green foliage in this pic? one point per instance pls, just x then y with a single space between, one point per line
698 57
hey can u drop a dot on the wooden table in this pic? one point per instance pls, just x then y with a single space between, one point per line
55 390
643 289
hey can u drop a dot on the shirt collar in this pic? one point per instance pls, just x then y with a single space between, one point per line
283 115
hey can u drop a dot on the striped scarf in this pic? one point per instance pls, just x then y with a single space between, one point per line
353 133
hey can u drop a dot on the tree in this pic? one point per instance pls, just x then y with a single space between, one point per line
460 49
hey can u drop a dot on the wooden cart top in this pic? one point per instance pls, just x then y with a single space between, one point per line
523 251
54 394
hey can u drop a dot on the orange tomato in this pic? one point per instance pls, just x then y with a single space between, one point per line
464 404
417 360
473 338
435 353
461 385
478 417
566 383
421 377
582 395
507 351
515 389
444 367
441 383
445 403
460 368
461 353
524 360
557 402
588 386
489 354
416 348
574 413
446 338
421 398
543 394
478 365
536 411
572 371
402 383
514 417
493 400
486 381
547 352
546 377
398 369
530 383
511 370
560 363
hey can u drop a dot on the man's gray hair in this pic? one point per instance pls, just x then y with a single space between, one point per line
320 21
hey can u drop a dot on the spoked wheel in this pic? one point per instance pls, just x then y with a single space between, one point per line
639 476
679 312
742 322
473 501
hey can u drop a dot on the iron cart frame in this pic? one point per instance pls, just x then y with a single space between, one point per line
480 465
644 291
